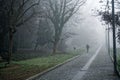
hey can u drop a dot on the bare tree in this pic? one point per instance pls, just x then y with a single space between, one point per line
59 12
15 12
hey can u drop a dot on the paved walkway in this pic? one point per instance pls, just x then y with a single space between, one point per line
101 68
90 66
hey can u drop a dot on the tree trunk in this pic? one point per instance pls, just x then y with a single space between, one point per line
54 48
10 46
55 45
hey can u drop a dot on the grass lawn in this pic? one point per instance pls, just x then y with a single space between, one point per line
119 63
118 57
20 70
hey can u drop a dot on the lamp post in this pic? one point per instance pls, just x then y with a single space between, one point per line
114 38
108 38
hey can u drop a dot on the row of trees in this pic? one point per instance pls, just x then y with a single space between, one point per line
52 16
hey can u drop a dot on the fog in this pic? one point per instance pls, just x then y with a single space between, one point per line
87 26
51 26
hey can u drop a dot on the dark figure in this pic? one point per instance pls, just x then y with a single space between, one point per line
87 47
74 48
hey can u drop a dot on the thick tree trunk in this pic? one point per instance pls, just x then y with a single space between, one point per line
10 46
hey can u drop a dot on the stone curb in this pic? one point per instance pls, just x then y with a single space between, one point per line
52 68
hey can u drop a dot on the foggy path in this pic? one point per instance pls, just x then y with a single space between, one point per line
93 66
73 70
101 68
59 39
97 66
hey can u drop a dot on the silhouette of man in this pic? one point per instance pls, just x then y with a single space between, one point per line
87 47
74 48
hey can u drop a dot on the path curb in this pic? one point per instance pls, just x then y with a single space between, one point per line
52 68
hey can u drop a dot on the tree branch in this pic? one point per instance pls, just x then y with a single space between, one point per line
28 10
26 20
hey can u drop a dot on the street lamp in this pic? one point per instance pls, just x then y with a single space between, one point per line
114 39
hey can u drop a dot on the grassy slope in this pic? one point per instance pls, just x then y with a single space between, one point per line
118 56
21 70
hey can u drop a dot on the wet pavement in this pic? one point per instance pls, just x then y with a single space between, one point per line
101 68
92 66
68 70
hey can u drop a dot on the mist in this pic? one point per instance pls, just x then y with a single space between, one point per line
87 26
59 40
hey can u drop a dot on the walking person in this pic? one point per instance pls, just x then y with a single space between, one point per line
87 48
